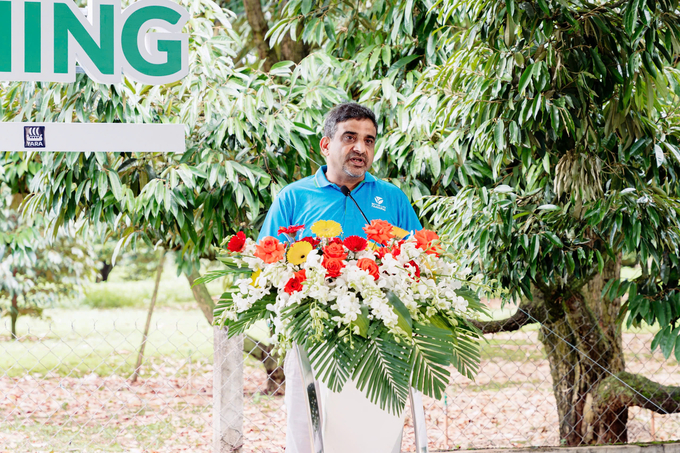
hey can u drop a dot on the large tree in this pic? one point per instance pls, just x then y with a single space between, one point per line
250 132
253 124
563 118
508 106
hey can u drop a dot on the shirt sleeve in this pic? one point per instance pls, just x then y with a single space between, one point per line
279 215
408 220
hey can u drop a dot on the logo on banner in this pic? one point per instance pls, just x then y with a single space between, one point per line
34 136
43 40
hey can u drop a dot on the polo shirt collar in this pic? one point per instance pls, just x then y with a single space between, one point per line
322 181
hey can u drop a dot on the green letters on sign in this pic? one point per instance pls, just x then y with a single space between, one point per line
66 22
33 36
173 49
5 36
144 41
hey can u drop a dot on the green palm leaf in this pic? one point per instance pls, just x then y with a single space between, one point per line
432 352
382 371
466 353
226 302
331 360
300 323
249 317
236 272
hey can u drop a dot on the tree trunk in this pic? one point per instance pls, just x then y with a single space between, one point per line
626 390
152 304
14 314
583 342
289 49
201 295
259 26
275 377
104 272
294 50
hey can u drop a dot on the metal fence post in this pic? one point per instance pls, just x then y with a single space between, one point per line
227 392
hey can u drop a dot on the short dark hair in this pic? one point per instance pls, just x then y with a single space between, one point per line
345 112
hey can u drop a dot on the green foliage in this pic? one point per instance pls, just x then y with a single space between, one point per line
34 271
562 117
139 264
249 133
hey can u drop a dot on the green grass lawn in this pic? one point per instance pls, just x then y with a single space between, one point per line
78 342
116 292
102 331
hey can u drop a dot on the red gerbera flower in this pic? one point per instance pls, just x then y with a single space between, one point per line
237 242
291 230
311 240
355 243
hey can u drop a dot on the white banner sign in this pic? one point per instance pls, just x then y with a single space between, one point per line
97 137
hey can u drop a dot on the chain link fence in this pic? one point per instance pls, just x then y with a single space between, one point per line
65 386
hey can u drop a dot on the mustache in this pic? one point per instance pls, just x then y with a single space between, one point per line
355 156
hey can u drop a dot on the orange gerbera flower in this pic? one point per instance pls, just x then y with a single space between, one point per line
379 231
269 250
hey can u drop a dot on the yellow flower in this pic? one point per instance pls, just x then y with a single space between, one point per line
297 253
399 233
254 276
327 229
371 246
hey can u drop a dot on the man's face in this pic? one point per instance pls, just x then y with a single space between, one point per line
349 154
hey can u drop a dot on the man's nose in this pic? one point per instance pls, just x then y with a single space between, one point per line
360 146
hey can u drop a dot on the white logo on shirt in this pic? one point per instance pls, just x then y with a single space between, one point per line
378 204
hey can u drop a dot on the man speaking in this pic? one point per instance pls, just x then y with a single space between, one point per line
344 191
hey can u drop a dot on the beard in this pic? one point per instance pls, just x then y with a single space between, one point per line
354 172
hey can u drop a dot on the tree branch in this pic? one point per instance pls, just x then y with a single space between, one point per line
528 312
627 390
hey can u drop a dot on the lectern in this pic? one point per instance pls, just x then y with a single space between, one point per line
315 413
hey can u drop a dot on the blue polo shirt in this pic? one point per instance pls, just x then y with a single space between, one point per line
315 198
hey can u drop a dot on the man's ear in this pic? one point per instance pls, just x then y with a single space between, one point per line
323 144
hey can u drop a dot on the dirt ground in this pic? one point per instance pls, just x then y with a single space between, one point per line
510 404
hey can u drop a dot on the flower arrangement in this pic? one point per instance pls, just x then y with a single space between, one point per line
385 311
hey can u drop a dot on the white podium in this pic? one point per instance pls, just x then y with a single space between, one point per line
323 436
